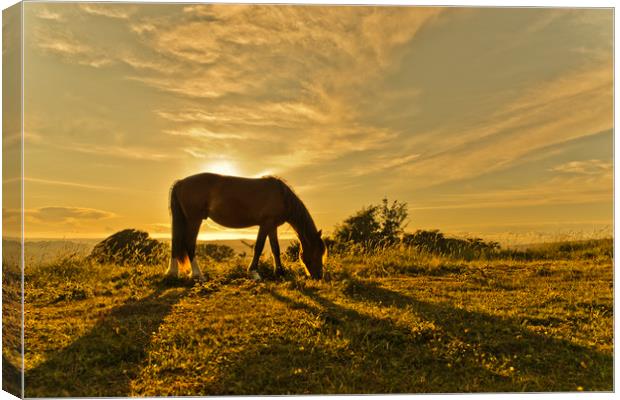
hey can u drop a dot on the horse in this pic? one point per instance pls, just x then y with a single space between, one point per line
237 202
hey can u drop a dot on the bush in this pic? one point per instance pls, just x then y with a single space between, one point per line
435 242
372 227
130 246
568 250
292 251
217 252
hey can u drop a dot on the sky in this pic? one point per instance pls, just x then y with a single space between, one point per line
485 121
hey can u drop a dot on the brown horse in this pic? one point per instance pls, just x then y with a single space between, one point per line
237 202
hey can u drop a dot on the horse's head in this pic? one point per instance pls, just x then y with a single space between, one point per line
313 256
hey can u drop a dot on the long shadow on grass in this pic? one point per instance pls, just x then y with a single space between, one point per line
540 362
335 350
105 360
11 377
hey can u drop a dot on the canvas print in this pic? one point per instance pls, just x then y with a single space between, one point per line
242 199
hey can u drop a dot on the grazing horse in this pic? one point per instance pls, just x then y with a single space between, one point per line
237 202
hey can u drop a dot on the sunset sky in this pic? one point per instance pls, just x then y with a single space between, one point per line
483 120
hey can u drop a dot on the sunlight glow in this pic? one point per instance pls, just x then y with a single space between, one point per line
266 172
223 167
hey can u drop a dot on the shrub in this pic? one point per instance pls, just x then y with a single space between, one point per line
129 246
217 252
435 242
373 226
292 251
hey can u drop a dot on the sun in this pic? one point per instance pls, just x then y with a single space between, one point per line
222 167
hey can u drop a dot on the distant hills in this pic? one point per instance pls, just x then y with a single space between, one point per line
39 250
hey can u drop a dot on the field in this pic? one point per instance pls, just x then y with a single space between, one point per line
398 321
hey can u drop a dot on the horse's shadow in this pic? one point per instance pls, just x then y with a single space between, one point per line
105 360
352 353
539 362
382 355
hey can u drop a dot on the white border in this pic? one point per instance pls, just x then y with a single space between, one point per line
464 3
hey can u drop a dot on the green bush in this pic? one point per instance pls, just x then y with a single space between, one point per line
372 227
292 251
435 242
217 252
130 246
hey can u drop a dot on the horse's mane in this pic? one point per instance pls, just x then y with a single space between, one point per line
297 213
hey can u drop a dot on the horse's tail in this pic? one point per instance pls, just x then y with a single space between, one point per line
179 224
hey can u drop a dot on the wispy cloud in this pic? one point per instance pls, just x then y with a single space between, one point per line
46 14
205 133
348 102
117 11
523 126
71 184
67 214
127 152
289 114
295 69
381 163
59 214
581 189
71 49
589 167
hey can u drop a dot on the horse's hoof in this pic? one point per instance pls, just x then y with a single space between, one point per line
198 278
255 276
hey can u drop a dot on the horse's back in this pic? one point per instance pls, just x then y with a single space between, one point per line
230 185
233 201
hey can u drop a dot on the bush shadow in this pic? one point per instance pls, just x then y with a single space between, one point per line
541 363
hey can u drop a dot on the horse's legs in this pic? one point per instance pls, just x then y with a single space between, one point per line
275 251
191 234
173 268
258 249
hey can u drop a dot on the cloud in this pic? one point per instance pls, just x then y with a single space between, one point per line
348 100
381 163
279 74
70 184
127 152
256 114
109 10
320 146
159 228
66 214
81 46
65 45
265 74
124 152
205 133
589 167
144 63
256 49
46 14
574 105
580 189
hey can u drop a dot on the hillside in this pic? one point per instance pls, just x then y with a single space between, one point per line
395 322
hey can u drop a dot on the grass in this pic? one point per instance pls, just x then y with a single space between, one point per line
11 319
397 321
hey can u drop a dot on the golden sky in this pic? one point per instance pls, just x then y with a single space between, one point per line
483 120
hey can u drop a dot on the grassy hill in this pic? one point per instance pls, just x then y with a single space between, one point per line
397 321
